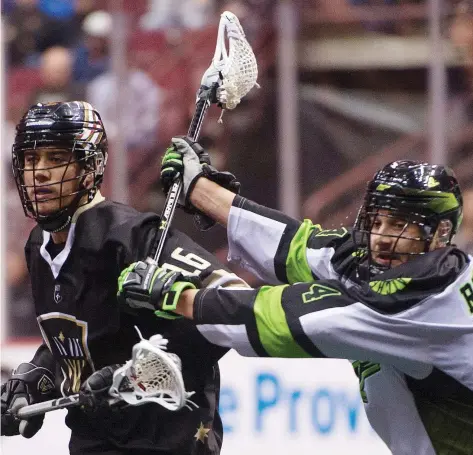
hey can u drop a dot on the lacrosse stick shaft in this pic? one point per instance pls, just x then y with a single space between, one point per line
52 405
202 105
240 63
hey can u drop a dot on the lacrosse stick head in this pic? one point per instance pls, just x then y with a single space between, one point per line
151 376
234 69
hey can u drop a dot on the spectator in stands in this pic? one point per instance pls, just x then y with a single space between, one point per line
22 24
21 319
61 24
190 14
142 98
91 57
461 36
33 26
21 314
56 77
461 31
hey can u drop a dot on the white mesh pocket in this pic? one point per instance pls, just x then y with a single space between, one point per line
242 73
152 375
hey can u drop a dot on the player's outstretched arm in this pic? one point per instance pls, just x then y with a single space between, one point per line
269 244
212 199
319 319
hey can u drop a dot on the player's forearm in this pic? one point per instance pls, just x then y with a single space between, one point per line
217 305
251 321
213 200
185 305
187 299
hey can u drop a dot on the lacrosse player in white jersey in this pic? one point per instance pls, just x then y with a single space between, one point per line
392 294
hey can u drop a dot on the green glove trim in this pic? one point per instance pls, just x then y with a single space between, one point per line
172 156
166 315
175 292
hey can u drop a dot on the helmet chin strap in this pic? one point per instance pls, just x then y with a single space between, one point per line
61 221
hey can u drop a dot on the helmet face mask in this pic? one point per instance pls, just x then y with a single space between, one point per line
59 158
404 205
389 238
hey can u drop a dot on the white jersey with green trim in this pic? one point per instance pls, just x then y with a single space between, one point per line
408 333
280 249
412 336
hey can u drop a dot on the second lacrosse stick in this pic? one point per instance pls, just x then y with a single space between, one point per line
151 376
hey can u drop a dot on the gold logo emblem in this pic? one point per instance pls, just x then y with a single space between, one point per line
201 433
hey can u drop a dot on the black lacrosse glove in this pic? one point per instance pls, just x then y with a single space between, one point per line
143 285
187 159
29 384
93 393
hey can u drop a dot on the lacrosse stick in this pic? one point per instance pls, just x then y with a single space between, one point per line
151 376
230 76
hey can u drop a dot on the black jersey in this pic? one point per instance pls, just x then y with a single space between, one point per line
85 329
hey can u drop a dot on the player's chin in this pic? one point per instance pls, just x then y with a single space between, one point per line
386 262
46 208
382 261
397 262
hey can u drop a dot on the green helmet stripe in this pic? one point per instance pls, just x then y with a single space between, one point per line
439 202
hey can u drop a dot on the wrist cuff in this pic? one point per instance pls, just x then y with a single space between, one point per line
172 297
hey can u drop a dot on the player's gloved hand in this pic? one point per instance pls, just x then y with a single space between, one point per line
189 160
29 384
93 393
143 285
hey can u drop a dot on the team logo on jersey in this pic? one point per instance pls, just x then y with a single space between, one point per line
388 287
57 293
201 433
332 232
359 253
365 369
467 292
45 385
66 338
317 292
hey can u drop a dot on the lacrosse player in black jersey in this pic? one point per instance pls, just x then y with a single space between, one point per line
393 294
75 255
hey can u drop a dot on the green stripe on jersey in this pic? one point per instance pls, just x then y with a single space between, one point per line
297 267
273 331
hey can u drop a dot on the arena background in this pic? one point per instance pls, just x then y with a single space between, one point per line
346 86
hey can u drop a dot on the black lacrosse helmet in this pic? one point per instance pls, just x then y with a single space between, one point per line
421 193
74 126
